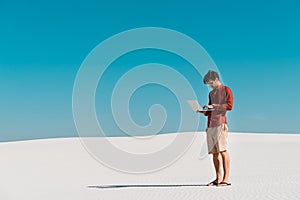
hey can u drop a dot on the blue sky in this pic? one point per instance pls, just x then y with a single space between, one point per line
255 45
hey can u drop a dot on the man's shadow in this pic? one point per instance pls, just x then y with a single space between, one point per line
144 186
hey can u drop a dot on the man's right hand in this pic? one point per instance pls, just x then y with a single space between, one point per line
208 106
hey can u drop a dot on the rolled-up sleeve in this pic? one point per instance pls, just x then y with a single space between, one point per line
229 101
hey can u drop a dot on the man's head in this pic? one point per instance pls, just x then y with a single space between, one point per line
212 79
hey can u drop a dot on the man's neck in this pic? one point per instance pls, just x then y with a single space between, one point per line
218 84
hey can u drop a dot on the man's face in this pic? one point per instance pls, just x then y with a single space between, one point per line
213 83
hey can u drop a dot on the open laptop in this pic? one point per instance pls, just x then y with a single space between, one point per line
195 106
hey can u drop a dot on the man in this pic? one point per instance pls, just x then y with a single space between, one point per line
220 101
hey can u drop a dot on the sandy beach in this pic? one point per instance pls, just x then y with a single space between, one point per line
264 166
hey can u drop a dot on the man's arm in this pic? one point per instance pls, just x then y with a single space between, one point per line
229 101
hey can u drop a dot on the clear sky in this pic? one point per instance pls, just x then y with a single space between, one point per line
255 44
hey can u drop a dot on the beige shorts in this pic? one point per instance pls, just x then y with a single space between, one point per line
217 138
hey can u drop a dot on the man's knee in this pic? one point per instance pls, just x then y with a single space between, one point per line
224 153
216 155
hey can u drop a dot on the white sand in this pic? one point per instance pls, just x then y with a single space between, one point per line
264 166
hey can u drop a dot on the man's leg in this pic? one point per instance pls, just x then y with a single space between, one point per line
226 165
218 167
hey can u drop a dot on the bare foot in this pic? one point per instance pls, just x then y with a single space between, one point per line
223 183
213 183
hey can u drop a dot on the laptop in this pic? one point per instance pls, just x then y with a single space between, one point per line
195 106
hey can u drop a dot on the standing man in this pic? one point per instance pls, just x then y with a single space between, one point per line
221 101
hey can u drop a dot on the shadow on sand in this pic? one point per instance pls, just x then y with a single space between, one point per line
144 186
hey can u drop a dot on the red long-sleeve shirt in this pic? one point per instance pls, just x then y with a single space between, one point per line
222 100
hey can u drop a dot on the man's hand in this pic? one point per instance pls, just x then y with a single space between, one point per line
208 106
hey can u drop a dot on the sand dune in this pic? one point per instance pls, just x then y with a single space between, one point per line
264 166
